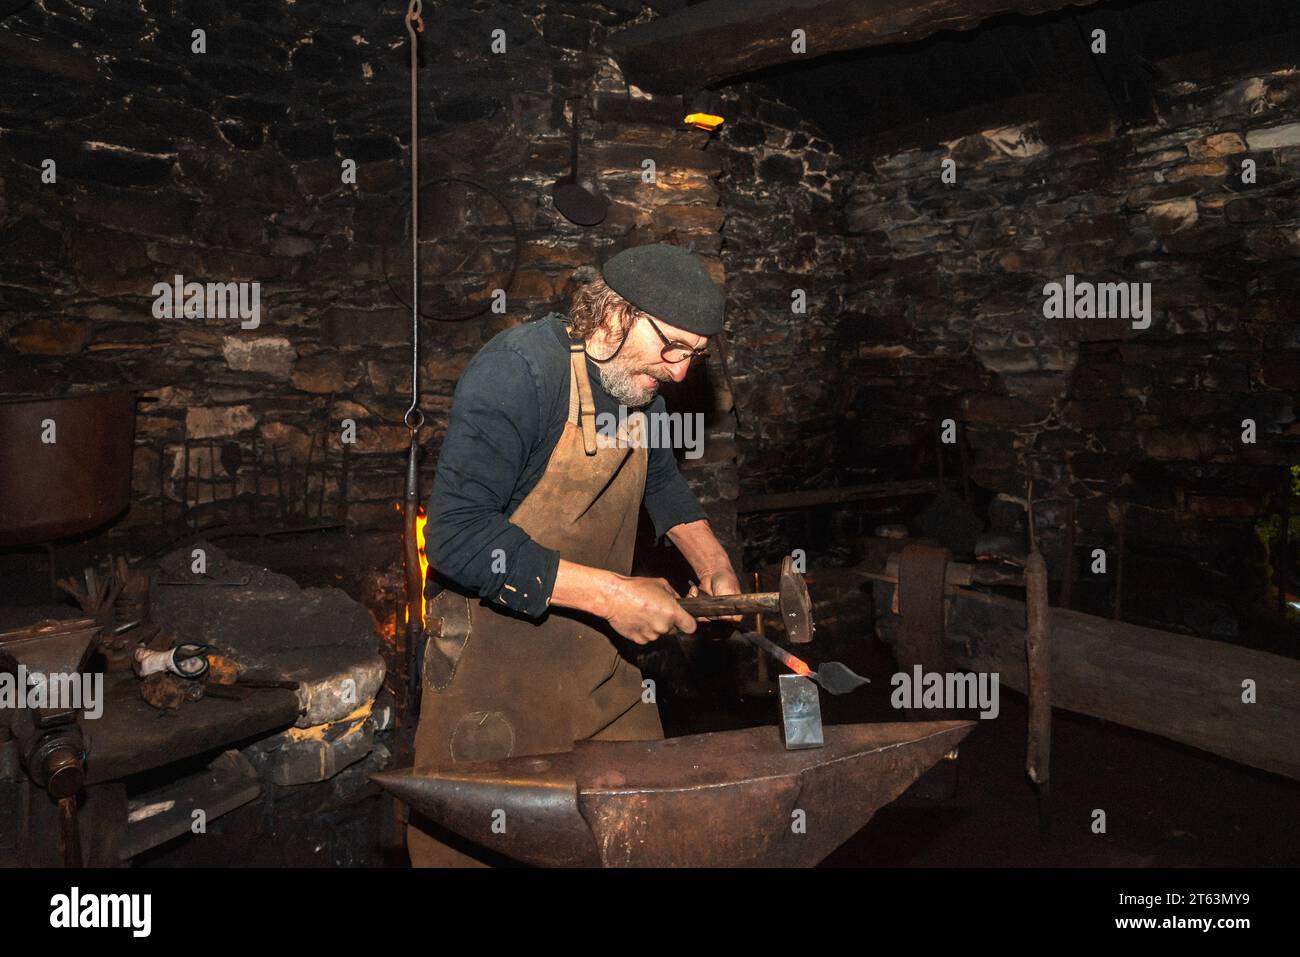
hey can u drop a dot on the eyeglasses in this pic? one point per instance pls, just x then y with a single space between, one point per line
674 352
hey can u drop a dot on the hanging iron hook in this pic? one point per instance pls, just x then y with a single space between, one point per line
413 12
414 417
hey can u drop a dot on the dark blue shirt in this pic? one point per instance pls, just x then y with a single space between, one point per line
507 415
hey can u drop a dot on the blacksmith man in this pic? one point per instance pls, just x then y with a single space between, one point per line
532 522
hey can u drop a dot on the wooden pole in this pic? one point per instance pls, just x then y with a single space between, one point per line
1038 757
760 628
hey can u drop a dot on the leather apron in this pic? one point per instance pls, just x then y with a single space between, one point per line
512 685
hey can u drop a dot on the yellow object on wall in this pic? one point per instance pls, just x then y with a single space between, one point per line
704 121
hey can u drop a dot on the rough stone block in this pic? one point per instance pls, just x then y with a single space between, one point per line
352 328
1172 216
1003 410
269 355
1274 137
1177 444
49 336
218 422
324 373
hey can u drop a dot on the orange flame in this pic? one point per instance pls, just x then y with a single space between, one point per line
421 520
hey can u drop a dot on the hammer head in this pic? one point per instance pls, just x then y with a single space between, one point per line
796 606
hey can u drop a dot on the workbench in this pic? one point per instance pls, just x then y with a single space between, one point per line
131 736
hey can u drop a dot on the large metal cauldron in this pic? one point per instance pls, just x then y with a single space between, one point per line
76 483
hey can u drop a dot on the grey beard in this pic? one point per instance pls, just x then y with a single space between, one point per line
617 380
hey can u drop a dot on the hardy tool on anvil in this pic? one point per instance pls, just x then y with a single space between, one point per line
704 800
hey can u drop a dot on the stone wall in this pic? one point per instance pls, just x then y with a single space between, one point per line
783 232
944 318
921 300
227 166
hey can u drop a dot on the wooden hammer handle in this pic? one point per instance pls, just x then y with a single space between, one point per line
711 606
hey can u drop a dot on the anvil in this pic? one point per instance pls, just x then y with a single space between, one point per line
726 799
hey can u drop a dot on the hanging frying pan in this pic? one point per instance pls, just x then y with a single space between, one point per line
577 204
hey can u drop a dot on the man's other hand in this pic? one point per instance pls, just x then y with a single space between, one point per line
723 582
643 609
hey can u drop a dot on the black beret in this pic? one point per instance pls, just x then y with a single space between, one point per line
669 283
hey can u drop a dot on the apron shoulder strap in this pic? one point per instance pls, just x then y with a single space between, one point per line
582 407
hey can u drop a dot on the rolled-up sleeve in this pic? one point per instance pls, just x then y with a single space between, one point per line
495 421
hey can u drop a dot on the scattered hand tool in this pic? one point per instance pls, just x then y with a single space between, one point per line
242 688
791 601
267 683
222 669
184 661
168 692
228 692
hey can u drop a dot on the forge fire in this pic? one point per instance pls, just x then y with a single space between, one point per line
655 434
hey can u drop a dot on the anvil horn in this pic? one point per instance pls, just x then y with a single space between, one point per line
728 799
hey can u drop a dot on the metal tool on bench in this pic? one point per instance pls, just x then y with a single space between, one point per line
244 687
